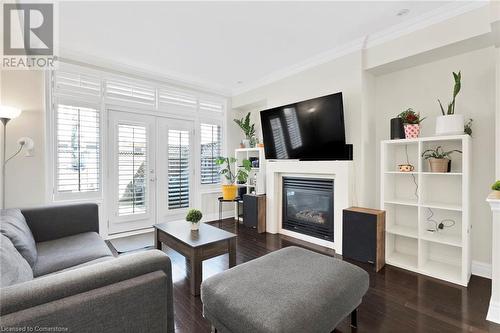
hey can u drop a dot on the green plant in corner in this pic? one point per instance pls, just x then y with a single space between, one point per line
438 153
244 124
240 174
456 89
496 186
194 216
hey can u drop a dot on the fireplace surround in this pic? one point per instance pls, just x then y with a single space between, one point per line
341 172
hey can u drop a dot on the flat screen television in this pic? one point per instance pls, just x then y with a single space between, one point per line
307 130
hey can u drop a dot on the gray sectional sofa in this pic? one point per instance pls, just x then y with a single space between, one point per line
58 273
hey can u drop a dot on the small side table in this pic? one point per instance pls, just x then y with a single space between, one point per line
222 201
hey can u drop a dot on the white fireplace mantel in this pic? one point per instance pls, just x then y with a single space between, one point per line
494 309
340 171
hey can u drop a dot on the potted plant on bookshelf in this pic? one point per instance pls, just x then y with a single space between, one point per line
194 217
439 160
230 190
248 129
450 123
496 190
411 121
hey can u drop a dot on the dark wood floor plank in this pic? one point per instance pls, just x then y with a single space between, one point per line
397 301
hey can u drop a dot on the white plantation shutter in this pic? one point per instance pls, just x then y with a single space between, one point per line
211 106
178 169
169 97
77 84
211 143
77 149
129 91
132 169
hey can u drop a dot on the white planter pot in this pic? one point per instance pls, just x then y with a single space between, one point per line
246 143
195 226
450 124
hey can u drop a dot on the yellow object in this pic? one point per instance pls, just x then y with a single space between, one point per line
229 192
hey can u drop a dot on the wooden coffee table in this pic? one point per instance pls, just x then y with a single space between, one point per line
196 246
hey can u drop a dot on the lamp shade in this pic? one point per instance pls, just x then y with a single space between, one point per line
9 112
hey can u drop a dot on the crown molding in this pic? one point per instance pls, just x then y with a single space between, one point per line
337 52
438 15
143 72
423 21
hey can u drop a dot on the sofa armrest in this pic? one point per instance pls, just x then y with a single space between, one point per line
52 222
135 305
65 284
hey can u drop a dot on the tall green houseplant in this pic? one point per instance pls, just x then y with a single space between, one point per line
247 128
456 89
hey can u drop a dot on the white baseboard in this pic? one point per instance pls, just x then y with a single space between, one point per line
215 216
481 269
494 312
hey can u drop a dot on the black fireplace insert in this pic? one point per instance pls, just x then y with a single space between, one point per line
308 206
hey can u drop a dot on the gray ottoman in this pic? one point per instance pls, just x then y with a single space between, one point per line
290 290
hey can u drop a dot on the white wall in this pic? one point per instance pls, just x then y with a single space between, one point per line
419 87
25 176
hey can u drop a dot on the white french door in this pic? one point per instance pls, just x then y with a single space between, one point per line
132 166
175 168
151 170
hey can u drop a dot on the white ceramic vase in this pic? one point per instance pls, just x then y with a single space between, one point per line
246 143
450 124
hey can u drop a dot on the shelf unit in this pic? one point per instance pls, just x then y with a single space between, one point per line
247 153
413 200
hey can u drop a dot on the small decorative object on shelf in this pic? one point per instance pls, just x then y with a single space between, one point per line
468 127
439 159
406 167
411 121
194 217
248 129
397 129
450 123
230 190
496 190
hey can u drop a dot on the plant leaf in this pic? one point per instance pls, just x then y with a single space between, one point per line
441 106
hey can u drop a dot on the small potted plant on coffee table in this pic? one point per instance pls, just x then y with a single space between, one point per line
411 121
496 190
194 216
438 158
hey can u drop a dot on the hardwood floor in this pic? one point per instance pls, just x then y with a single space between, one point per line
397 301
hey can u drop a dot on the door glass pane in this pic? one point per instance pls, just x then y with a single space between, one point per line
178 169
132 169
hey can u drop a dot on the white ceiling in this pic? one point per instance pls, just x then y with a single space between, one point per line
219 44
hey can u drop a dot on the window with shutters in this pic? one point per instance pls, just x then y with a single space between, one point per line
128 91
132 166
211 148
178 169
77 149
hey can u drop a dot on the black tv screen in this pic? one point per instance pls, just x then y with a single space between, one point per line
307 130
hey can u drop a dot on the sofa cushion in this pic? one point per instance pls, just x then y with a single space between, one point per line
14 268
13 226
62 253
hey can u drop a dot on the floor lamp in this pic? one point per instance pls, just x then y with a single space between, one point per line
6 113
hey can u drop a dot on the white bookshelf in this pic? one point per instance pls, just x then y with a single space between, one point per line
407 198
246 153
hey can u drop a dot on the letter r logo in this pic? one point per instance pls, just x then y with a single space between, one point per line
28 29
